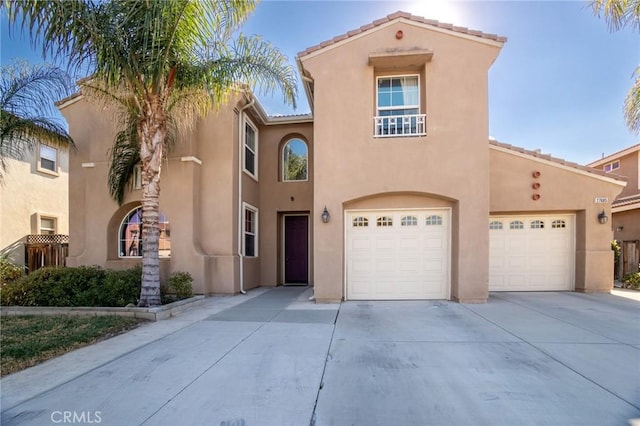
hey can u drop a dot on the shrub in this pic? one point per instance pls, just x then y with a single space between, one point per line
79 286
180 284
9 272
632 280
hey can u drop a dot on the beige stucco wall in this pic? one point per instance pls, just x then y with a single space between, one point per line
350 163
27 193
562 189
279 198
630 168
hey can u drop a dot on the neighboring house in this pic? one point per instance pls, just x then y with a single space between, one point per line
626 207
34 206
390 189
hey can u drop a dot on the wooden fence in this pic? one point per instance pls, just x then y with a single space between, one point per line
46 250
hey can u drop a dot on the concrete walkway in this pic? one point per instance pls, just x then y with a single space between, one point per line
271 357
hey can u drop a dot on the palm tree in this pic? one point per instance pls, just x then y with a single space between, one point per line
619 14
27 97
162 64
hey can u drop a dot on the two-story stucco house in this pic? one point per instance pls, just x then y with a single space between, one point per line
34 203
389 189
626 207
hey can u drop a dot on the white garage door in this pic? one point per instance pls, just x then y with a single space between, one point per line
398 254
531 253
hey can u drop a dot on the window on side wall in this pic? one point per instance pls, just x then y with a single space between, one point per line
250 231
47 159
295 158
615 165
48 225
250 149
398 107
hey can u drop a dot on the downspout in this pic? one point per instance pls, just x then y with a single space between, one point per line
240 218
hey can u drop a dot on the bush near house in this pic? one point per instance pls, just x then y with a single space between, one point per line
8 271
632 280
84 286
180 286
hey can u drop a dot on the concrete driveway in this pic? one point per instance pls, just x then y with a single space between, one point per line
273 358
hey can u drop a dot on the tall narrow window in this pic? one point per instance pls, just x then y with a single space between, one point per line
250 149
48 158
130 235
294 160
250 231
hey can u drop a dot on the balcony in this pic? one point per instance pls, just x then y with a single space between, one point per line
392 126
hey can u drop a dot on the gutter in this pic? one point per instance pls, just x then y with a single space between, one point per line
240 218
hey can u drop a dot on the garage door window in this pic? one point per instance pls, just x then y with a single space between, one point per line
537 224
409 221
434 220
384 221
495 225
556 224
360 222
516 224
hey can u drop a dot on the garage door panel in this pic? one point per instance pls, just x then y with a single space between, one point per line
408 258
527 257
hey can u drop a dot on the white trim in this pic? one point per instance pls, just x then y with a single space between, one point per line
246 206
255 150
557 165
449 239
40 216
192 159
283 278
88 165
407 21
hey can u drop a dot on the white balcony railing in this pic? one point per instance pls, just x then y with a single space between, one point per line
400 125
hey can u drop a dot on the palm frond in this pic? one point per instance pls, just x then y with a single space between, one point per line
632 105
618 13
123 157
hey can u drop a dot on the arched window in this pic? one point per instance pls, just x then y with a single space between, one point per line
130 235
295 158
434 220
496 224
516 224
360 222
409 221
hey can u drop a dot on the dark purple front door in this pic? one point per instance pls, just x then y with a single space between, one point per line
296 249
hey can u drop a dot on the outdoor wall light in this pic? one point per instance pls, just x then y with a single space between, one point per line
602 217
325 215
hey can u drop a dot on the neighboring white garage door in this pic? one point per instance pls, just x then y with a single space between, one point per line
398 254
531 253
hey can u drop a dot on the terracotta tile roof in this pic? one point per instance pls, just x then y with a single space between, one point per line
397 15
615 155
559 161
625 201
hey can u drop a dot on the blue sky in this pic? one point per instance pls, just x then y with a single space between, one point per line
558 85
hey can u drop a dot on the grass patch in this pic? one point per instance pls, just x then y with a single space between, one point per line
29 340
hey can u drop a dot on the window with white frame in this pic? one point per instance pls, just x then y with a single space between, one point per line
495 225
615 165
398 107
250 149
137 176
130 235
250 231
433 220
47 158
48 225
294 160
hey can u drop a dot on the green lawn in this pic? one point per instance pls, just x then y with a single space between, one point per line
30 340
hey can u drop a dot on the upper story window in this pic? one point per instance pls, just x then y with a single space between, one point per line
130 235
47 159
137 176
398 107
250 149
295 159
615 165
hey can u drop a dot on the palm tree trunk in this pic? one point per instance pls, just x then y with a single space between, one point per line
152 134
